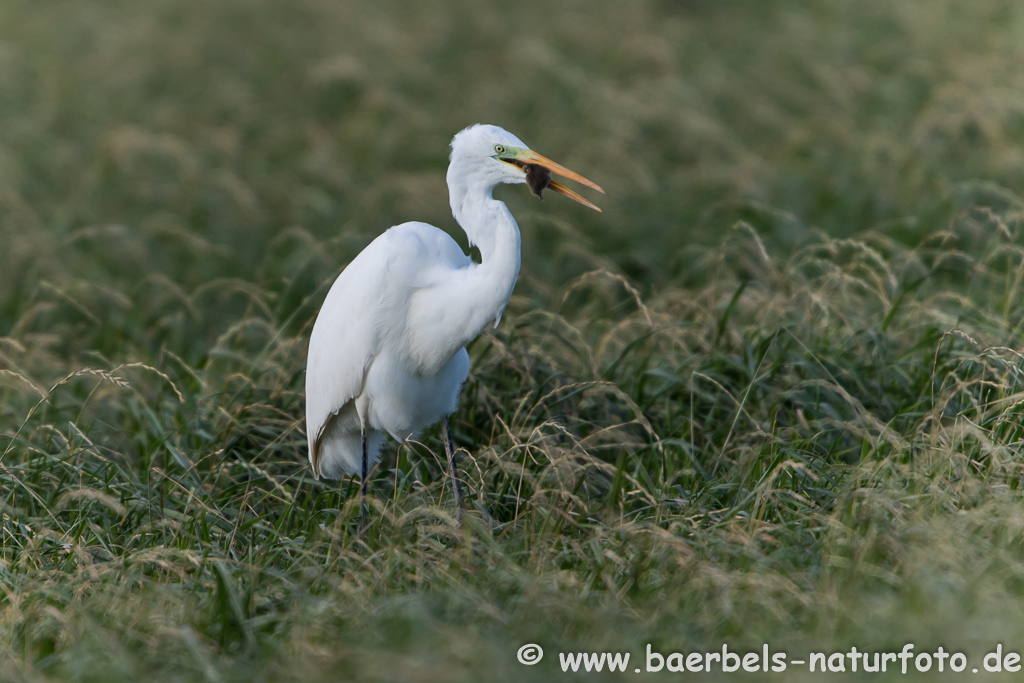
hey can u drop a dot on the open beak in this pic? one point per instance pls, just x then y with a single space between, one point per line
530 157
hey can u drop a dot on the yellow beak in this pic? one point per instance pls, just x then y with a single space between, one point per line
531 157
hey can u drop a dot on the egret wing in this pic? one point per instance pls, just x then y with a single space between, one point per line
342 346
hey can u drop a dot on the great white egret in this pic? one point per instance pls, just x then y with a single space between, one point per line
388 350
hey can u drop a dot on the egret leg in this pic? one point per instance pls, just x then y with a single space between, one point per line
362 484
453 467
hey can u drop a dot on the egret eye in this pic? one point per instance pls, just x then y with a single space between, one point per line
499 149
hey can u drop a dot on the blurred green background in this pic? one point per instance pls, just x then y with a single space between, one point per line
239 125
769 393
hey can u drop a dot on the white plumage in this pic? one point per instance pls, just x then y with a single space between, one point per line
387 352
367 349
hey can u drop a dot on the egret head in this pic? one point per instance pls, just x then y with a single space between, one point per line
491 156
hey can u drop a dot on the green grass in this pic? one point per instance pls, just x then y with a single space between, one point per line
773 394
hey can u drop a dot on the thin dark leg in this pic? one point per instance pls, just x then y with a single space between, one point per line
362 484
453 470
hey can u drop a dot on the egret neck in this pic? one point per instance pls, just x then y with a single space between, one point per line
490 227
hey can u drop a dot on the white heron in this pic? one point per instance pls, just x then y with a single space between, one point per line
387 354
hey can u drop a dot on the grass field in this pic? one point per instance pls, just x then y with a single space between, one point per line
773 393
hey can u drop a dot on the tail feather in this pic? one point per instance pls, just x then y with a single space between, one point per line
341 452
